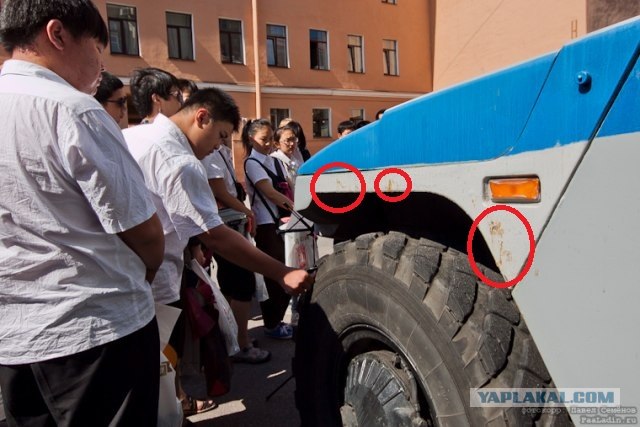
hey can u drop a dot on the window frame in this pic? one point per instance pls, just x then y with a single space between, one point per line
122 30
275 46
362 116
385 58
313 123
275 119
316 43
350 57
179 44
229 36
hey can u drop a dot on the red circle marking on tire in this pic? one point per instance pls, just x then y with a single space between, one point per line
321 204
532 246
392 199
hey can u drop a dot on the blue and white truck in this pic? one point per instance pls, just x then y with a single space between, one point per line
534 171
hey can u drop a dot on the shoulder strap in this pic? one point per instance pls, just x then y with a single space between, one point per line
257 191
231 171
274 176
276 163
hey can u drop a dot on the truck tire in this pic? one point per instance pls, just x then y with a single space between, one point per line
396 331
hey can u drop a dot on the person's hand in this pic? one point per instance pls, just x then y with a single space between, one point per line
286 203
296 282
198 255
251 223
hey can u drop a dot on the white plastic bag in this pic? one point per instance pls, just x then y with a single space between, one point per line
228 324
2 415
169 407
166 316
261 293
300 243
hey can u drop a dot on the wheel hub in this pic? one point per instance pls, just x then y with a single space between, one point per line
380 391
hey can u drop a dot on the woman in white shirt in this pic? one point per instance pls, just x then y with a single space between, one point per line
266 183
286 143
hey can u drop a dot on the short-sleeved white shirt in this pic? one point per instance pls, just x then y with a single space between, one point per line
216 168
256 173
68 184
180 191
291 167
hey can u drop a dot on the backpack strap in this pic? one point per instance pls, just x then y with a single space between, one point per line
257 191
231 171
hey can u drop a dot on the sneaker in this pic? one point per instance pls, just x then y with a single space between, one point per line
281 332
251 355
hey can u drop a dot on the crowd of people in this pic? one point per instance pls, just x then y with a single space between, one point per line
96 221
101 219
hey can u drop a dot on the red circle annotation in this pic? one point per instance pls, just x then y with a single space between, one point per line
332 209
393 199
532 247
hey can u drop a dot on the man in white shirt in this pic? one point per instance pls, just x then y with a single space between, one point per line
78 338
169 152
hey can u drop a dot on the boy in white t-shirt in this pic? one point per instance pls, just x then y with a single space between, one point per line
169 152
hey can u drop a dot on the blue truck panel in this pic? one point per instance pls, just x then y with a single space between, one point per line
533 106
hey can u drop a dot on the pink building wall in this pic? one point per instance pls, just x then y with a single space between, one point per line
476 37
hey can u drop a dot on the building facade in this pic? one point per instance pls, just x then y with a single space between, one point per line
475 37
317 65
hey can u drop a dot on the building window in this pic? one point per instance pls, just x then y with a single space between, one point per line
356 61
390 56
357 114
123 29
277 115
277 46
318 48
389 1
179 36
321 123
231 49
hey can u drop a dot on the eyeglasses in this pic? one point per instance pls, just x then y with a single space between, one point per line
122 102
177 95
291 140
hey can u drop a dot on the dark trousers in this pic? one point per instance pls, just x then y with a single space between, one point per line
115 384
273 309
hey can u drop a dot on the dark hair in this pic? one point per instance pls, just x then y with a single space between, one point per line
108 85
302 140
379 113
362 123
22 20
147 81
277 134
218 103
251 128
187 85
347 124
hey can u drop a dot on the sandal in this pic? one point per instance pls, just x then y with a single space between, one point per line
252 355
190 406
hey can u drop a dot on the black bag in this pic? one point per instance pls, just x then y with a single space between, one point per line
240 193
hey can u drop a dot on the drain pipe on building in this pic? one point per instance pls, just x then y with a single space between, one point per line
256 57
